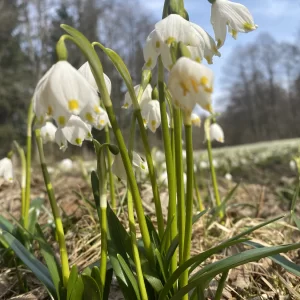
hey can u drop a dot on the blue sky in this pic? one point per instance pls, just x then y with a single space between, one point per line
280 18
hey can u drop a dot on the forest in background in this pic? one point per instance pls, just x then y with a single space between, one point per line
263 78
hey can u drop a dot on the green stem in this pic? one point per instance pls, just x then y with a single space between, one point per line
23 179
30 118
136 256
55 211
214 177
179 177
189 198
132 182
152 174
110 174
169 159
103 260
198 196
151 169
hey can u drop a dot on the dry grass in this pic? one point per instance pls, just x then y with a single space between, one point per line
259 280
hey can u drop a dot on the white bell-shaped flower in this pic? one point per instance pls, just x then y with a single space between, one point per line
234 15
208 49
175 28
66 165
87 73
151 115
48 132
75 132
6 169
118 167
196 121
63 92
146 97
216 133
151 50
190 83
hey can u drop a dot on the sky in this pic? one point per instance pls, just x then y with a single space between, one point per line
280 18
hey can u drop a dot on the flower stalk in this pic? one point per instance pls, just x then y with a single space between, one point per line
55 211
135 251
211 166
189 195
30 118
110 174
172 215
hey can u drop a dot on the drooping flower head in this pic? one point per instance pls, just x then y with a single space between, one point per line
174 28
63 92
6 169
191 83
48 132
75 132
216 133
234 15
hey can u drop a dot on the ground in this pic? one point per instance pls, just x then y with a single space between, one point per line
265 191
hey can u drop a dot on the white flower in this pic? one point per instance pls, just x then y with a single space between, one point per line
207 50
63 92
66 164
195 120
293 165
48 132
173 28
151 115
146 96
216 133
118 167
191 83
203 164
6 169
234 15
75 132
86 71
228 176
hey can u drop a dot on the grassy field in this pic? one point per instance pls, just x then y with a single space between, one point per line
266 188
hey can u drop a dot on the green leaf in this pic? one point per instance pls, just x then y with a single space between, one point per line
198 216
153 233
108 279
216 211
95 189
91 289
196 260
38 269
172 249
113 149
210 271
159 259
130 276
6 225
77 291
119 65
72 281
296 219
295 196
119 235
50 259
32 216
166 235
279 259
96 275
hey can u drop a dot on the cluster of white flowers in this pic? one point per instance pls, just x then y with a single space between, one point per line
70 97
190 82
